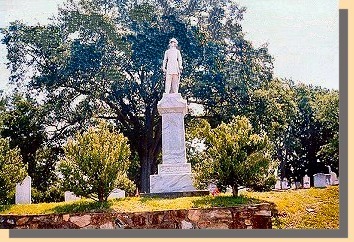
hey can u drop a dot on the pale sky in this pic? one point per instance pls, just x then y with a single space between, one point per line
302 34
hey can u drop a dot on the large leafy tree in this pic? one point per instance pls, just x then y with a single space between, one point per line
102 58
308 136
12 170
273 110
23 123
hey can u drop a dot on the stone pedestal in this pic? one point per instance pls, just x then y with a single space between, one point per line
174 174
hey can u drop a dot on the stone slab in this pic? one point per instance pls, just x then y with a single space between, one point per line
23 191
70 196
319 180
117 193
177 194
171 183
178 168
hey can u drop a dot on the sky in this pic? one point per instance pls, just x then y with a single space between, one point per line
302 35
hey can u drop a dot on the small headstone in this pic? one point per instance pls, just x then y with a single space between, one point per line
319 180
298 185
23 191
284 184
334 179
306 182
328 179
278 185
70 196
228 189
212 188
293 186
117 193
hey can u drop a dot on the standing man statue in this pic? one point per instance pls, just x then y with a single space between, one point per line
172 67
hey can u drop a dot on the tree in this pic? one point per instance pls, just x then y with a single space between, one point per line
100 58
12 170
23 123
234 156
95 163
326 112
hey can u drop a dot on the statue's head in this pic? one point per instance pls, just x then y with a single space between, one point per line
173 42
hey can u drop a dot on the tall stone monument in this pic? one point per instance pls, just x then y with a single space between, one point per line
174 174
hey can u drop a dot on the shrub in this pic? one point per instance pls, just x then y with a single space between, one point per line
95 163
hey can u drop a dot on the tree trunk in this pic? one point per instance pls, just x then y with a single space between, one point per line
145 174
235 190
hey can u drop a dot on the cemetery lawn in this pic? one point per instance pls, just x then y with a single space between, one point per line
297 209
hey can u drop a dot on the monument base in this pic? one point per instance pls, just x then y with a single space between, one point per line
171 183
176 194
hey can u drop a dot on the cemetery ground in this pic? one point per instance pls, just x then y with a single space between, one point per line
314 208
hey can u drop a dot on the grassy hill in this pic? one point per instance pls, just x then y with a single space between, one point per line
300 209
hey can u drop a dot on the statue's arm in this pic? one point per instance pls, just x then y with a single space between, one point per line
180 61
164 62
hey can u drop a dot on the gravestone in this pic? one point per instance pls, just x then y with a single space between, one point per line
278 184
23 191
328 179
70 196
117 193
293 186
298 185
334 179
284 184
213 188
174 174
319 180
306 182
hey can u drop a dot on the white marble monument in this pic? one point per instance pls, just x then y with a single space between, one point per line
319 180
174 174
116 193
285 184
23 191
70 196
278 184
306 182
334 179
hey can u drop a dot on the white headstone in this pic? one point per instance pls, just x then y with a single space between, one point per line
278 185
117 193
319 180
306 182
293 186
70 196
284 184
334 179
23 191
174 174
212 188
328 179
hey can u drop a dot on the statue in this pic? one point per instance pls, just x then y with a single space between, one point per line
172 67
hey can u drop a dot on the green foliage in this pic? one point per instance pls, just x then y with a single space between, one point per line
234 156
95 163
102 58
12 170
326 111
23 123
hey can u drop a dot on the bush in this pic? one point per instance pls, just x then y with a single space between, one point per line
95 163
234 156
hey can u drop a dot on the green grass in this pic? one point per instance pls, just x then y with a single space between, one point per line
129 204
311 208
